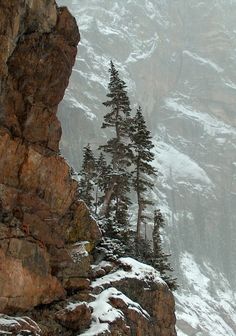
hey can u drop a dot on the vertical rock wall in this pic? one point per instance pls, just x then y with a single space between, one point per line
37 195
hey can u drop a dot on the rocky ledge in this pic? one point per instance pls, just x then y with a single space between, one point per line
46 234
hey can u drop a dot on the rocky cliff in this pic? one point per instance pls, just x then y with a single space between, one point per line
46 233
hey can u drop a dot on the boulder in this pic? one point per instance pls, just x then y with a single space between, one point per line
75 316
23 284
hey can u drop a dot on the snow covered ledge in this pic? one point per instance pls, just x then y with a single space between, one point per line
125 298
132 299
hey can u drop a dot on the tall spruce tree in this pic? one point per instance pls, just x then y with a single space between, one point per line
88 174
160 258
103 179
143 170
117 148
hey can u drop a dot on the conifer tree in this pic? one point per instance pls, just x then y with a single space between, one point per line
143 170
118 147
88 174
103 179
160 258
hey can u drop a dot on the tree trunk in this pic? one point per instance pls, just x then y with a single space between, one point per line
138 225
96 201
140 205
107 199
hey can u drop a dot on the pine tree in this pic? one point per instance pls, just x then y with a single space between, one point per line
117 148
118 117
103 179
160 259
143 170
88 174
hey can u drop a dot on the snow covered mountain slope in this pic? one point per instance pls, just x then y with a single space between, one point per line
178 60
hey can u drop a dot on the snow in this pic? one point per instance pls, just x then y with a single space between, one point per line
75 103
231 85
204 306
176 165
6 322
193 274
104 313
96 329
102 310
106 30
149 46
14 323
210 124
72 306
180 333
102 265
138 52
204 61
92 77
138 271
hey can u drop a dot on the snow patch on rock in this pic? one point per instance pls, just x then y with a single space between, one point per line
204 61
211 125
137 270
169 161
206 308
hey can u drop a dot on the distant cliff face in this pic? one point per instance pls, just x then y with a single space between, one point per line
46 233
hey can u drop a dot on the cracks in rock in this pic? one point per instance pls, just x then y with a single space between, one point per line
19 173
30 239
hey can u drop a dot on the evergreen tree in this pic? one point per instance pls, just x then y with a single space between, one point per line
141 248
103 179
143 170
88 174
117 119
117 148
160 259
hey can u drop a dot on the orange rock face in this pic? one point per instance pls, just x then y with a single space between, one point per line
37 75
32 285
38 45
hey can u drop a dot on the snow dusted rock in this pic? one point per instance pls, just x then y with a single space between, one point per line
199 309
75 316
132 298
74 274
103 268
18 326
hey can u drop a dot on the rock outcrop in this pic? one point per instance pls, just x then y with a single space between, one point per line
46 233
136 300
37 195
